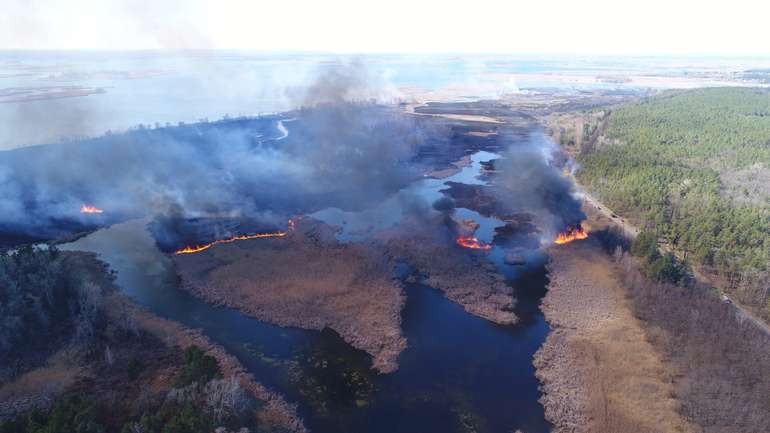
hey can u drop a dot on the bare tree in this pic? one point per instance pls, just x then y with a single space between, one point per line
226 399
89 305
108 357
127 321
135 427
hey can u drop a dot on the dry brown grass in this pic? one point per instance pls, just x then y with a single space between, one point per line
275 412
465 276
481 133
306 280
38 387
455 168
721 357
599 372
74 371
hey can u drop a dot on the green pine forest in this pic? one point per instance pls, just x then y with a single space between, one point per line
662 163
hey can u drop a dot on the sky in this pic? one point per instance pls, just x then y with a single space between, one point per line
633 27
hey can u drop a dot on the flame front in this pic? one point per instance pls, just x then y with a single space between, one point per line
198 248
473 243
572 234
87 208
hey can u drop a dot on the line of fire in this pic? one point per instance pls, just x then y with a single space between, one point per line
202 247
570 234
469 242
90 209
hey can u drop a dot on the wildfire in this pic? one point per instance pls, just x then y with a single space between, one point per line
473 243
572 234
87 208
198 248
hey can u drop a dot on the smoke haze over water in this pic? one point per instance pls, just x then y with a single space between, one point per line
342 150
339 151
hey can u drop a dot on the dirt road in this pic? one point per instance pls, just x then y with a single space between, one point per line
630 231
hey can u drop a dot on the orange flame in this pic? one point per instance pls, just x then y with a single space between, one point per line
87 208
572 234
198 248
473 243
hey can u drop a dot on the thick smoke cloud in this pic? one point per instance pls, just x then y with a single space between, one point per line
360 151
340 82
340 151
444 204
534 183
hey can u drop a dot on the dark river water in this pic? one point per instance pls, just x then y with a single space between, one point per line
460 373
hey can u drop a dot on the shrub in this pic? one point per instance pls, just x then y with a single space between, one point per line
70 415
665 268
172 418
134 369
645 245
198 367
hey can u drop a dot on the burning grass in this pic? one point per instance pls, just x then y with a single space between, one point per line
202 247
90 209
571 234
470 280
472 243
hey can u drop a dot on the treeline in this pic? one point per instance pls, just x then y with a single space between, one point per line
656 266
722 359
662 171
52 302
45 302
200 400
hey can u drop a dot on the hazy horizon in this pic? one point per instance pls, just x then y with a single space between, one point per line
340 26
55 95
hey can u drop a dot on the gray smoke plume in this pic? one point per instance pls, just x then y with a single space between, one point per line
37 121
344 81
339 152
534 183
